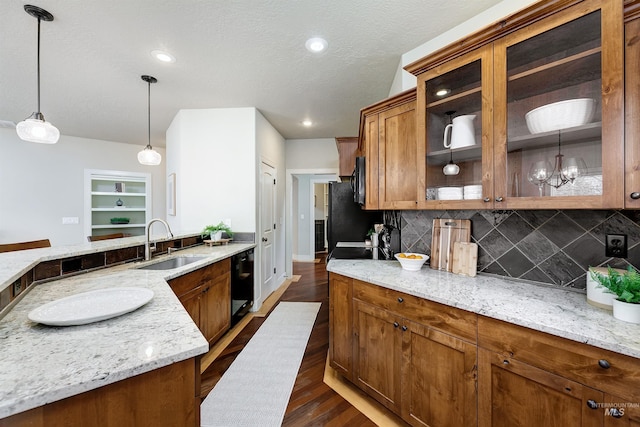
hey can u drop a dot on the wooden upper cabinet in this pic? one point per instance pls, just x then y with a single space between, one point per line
347 152
576 53
548 53
460 90
388 134
632 111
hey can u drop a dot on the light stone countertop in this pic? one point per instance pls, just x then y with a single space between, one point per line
41 364
548 309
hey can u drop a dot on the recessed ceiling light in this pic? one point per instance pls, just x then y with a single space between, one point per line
443 92
163 56
307 123
316 44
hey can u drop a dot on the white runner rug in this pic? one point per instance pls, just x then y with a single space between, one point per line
255 390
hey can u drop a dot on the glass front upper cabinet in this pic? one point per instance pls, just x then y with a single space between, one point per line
456 132
553 155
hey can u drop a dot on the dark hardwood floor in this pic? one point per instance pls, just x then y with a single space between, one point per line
312 402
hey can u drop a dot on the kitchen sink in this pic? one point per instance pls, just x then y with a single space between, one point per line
171 263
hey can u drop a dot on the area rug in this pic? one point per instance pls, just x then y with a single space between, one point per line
255 390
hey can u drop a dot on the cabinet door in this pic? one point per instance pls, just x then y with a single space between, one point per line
512 393
215 307
397 163
567 154
340 324
371 161
378 354
619 412
191 303
632 112
439 378
459 93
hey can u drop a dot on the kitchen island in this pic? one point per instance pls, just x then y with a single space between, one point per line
41 364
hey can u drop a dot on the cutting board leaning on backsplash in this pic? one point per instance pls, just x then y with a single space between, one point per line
445 233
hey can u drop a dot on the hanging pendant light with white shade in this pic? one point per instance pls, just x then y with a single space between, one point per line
35 128
149 156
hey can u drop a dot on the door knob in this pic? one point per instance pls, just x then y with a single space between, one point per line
635 195
486 199
264 239
499 199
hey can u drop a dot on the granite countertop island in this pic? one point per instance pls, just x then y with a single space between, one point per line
40 364
547 309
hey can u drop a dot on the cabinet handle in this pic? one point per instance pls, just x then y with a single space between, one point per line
396 324
264 239
592 404
404 328
499 199
400 299
604 364
486 199
505 362
635 195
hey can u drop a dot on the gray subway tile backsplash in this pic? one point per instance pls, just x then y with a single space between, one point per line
549 246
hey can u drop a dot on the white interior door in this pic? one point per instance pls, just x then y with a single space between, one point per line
268 224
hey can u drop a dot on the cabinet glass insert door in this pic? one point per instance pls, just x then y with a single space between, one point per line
554 111
458 152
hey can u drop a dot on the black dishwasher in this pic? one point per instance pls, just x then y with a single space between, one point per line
241 285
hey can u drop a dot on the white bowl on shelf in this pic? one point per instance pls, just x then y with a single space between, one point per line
411 264
561 115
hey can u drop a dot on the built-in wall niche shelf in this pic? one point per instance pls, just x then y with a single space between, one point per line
110 194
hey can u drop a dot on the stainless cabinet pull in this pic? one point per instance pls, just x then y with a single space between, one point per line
604 364
486 199
396 324
400 299
499 199
592 404
404 328
635 195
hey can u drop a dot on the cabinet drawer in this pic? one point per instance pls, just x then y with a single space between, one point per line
183 284
454 321
567 358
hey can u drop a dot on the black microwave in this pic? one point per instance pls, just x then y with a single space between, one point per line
357 181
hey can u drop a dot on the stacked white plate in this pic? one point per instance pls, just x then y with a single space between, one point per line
472 191
450 193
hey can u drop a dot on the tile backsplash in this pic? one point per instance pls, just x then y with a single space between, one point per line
549 246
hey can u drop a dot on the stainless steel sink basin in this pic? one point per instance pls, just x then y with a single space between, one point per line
171 263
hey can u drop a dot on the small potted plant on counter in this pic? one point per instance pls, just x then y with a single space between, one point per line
214 232
626 287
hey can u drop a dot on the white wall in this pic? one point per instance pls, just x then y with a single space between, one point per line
271 150
40 184
213 154
312 153
478 22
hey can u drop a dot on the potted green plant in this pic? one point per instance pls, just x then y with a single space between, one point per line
626 287
119 220
214 232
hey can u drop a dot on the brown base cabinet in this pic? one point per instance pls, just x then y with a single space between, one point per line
405 353
168 396
340 326
435 365
206 295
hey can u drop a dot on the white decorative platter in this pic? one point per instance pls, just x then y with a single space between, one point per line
92 306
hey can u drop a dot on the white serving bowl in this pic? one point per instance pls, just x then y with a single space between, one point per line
561 115
412 264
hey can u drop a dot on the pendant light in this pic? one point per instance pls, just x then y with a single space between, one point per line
149 156
34 128
450 168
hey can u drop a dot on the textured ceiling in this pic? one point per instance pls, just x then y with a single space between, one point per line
230 53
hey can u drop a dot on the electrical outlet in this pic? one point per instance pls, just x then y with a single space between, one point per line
616 245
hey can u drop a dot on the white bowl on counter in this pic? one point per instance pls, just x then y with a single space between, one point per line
561 115
411 264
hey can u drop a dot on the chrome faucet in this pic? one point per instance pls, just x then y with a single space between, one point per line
147 246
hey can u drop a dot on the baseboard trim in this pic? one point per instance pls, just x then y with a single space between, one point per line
371 409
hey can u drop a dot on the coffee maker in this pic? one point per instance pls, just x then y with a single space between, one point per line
389 240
